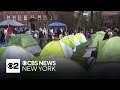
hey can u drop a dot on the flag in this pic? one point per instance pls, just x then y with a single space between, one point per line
9 30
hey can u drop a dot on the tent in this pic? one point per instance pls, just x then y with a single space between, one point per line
2 50
78 36
57 24
14 52
11 22
83 38
96 38
74 39
58 49
65 68
99 32
69 42
109 50
25 41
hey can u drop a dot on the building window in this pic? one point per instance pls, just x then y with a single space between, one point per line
55 17
32 16
8 16
19 17
39 17
25 17
14 17
44 17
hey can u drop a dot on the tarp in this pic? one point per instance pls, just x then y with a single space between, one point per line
56 48
22 40
11 22
109 50
57 24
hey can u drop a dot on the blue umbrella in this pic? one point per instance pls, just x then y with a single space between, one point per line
57 24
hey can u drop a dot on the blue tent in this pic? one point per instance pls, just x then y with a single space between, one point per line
11 22
57 24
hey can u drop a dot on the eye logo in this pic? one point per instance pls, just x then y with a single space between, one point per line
12 65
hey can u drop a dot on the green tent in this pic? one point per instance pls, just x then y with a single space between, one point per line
96 38
69 42
2 50
109 50
78 36
56 48
22 40
71 37
65 68
100 32
74 40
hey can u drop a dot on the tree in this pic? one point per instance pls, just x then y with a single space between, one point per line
98 20
78 20
91 19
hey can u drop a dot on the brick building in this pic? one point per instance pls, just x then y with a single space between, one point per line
108 17
36 19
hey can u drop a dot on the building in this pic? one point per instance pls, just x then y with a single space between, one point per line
36 19
108 17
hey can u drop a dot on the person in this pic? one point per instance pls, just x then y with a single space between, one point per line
41 38
2 37
118 33
28 32
115 32
108 34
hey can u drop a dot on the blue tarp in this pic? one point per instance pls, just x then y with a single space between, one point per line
11 22
57 24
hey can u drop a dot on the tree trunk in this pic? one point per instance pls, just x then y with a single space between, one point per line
91 20
78 20
48 17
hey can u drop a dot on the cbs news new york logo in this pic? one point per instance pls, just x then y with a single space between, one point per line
12 65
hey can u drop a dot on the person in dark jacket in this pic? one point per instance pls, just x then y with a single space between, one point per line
108 35
41 37
2 36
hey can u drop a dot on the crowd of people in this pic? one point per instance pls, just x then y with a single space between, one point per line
44 35
41 35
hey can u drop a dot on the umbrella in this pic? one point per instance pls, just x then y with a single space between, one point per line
57 24
11 22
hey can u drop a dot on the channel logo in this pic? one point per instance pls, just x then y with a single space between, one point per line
12 65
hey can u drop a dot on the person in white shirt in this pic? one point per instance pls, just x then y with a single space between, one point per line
28 32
